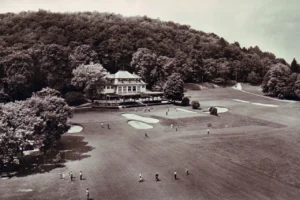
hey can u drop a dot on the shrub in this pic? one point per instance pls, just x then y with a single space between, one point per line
74 98
213 111
195 104
48 92
4 98
253 78
185 101
219 81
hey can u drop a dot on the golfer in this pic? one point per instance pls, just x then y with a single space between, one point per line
71 176
208 131
156 176
141 178
80 175
87 193
175 175
186 171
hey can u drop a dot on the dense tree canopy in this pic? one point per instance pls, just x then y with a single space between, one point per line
40 49
89 78
38 121
173 88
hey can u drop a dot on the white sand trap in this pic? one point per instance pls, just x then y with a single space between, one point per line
266 105
75 129
139 125
184 110
140 118
238 86
220 110
26 190
239 100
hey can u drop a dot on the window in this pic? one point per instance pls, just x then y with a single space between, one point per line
129 88
124 89
119 89
134 88
138 88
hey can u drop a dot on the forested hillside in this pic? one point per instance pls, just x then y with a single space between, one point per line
39 49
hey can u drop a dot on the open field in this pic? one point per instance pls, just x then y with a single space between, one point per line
252 152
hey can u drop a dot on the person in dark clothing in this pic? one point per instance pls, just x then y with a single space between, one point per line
71 176
156 176
175 175
187 171
80 175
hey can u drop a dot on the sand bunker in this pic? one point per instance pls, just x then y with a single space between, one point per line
141 119
184 110
26 190
239 100
266 105
238 86
75 129
139 125
220 109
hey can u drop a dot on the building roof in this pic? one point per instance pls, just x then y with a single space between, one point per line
123 74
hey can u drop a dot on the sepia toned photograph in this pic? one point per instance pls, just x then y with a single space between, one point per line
149 100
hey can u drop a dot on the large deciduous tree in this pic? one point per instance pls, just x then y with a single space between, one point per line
174 87
276 80
38 121
144 62
90 79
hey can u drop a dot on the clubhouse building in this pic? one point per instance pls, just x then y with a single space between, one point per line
123 85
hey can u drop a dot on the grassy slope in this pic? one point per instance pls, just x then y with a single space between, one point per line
252 153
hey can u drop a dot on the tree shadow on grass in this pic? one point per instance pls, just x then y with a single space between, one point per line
70 148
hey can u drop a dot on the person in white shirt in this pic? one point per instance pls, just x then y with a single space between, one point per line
87 194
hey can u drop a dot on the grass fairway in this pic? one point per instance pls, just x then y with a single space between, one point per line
252 152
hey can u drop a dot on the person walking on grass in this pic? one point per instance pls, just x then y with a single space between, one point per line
175 175
156 176
171 125
102 125
80 175
60 175
108 126
208 131
141 178
71 176
146 135
87 193
186 171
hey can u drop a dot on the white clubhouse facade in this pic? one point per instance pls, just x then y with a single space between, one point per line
124 83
